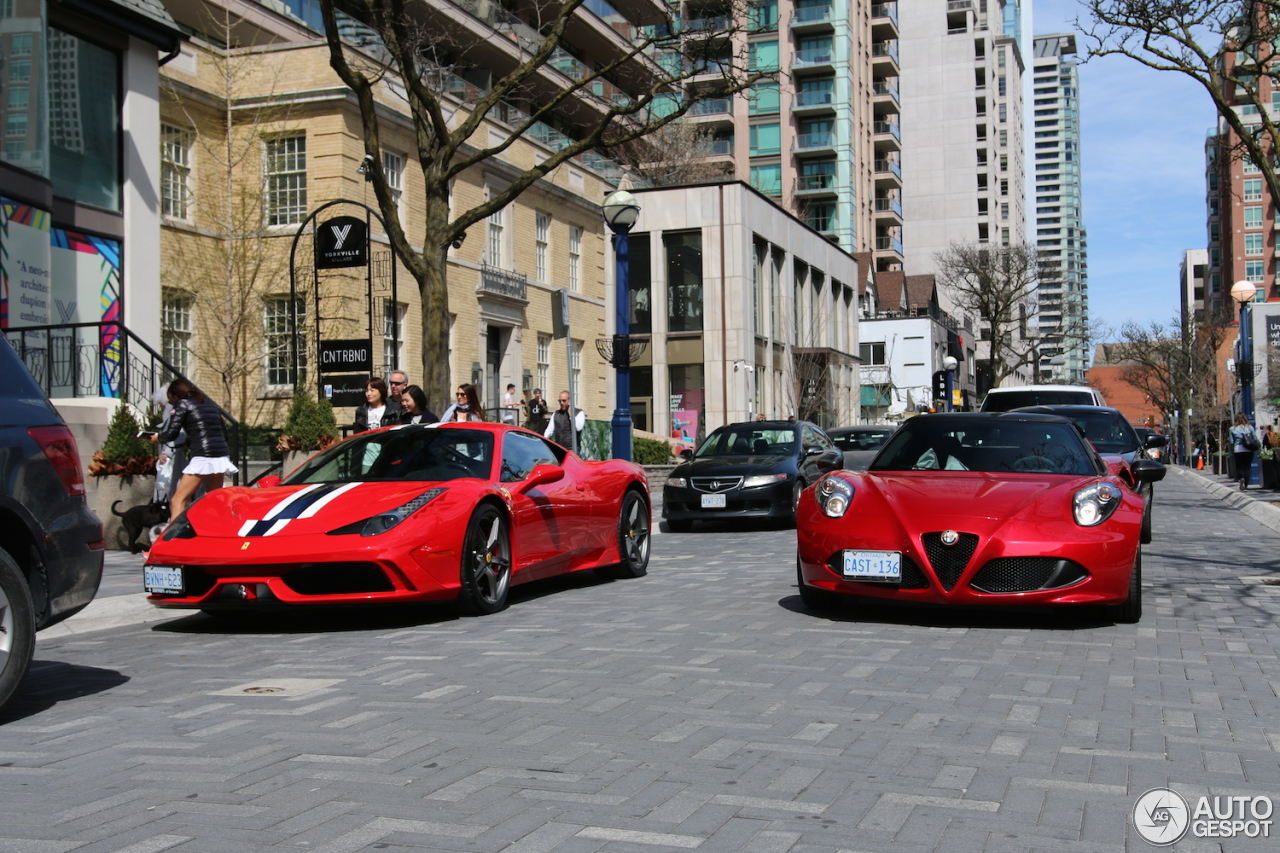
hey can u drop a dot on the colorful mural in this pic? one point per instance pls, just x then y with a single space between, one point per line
90 267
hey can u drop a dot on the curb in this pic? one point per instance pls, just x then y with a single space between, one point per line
114 611
1260 510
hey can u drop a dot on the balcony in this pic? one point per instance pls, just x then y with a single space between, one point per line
887 128
884 58
889 205
812 143
568 65
884 20
889 244
705 25
549 136
885 94
888 172
722 147
813 59
824 99
811 19
822 184
504 284
712 107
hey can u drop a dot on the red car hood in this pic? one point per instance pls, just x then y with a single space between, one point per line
296 510
936 499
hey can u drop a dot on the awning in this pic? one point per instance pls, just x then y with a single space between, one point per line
875 395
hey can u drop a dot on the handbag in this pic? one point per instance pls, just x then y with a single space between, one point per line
1250 441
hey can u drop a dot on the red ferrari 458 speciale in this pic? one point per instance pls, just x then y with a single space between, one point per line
403 514
979 509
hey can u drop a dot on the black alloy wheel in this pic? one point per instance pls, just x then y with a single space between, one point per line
1130 612
486 563
633 538
17 627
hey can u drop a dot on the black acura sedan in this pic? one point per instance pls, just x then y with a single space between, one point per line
748 470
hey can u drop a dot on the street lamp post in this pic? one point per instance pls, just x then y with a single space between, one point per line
949 365
620 213
1244 292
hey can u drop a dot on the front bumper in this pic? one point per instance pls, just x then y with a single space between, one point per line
772 501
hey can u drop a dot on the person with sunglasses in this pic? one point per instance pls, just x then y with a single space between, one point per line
397 381
560 431
467 408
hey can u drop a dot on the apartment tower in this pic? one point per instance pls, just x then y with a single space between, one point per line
1060 234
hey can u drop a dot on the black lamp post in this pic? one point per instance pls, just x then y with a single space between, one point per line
1244 292
620 213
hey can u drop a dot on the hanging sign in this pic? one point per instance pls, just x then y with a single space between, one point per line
342 242
346 356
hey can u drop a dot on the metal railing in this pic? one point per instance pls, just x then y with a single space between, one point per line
810 183
890 166
500 282
107 360
889 205
811 15
712 107
887 10
812 56
887 49
888 127
816 98
808 141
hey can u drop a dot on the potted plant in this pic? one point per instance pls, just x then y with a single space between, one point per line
1223 463
1267 465
124 474
309 427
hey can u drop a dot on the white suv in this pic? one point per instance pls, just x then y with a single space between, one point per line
1019 397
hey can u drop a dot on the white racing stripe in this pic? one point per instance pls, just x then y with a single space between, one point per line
324 501
284 504
278 526
246 527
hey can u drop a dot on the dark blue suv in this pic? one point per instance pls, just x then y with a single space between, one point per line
51 544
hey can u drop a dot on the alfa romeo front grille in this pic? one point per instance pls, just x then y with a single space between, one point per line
948 561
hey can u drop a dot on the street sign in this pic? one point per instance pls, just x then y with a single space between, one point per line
344 356
341 242
346 390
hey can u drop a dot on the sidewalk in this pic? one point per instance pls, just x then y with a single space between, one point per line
1262 505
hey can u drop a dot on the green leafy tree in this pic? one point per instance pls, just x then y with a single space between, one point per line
311 424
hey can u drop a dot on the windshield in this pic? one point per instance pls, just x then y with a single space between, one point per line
418 453
1108 433
863 440
1028 447
749 440
1007 401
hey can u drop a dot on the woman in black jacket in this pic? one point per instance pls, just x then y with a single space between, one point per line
200 418
414 401
375 412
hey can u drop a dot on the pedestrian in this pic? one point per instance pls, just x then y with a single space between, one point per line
397 381
1270 438
538 412
566 424
414 407
467 408
1197 455
375 412
1244 442
199 417
511 406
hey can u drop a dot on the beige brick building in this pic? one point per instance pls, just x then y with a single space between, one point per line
256 137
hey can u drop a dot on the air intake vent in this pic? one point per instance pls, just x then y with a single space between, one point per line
948 561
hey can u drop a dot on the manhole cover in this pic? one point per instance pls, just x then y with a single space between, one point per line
279 686
264 690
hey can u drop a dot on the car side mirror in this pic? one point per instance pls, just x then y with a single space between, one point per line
1154 441
542 474
1147 470
813 450
268 482
686 454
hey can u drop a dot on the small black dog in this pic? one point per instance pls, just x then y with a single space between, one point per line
139 518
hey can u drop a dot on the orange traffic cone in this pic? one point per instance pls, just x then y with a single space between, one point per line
1199 463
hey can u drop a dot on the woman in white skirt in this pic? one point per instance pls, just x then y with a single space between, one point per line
210 461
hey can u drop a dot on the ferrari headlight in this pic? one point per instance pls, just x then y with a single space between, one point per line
384 521
1094 504
762 480
179 528
678 482
834 495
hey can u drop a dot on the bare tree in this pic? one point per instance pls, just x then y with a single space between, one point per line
1228 48
228 260
998 286
644 90
675 155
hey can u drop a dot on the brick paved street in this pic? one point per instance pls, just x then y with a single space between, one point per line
699 708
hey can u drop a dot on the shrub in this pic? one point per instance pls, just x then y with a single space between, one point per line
650 451
124 454
310 426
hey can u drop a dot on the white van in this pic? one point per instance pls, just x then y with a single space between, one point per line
1008 399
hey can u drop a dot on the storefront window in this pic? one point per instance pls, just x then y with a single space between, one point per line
21 83
84 120
684 281
640 284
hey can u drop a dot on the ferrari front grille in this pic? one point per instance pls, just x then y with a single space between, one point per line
948 561
1027 574
338 579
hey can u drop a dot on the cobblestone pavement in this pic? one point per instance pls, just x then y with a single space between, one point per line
699 708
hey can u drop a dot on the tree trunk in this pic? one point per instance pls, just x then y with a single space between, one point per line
433 290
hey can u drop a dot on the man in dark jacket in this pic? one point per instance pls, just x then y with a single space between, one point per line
538 411
566 425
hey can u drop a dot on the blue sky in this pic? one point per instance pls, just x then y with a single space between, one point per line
1142 141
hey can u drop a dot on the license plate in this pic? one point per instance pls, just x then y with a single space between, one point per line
879 566
163 579
713 502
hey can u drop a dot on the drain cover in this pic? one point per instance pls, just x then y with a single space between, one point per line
286 687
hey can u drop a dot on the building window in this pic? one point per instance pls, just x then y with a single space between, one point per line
19 98
1253 244
15 125
762 15
1004 112
277 333
542 247
20 44
1253 189
764 99
1250 167
496 230
1253 217
684 280
84 120
544 365
286 173
393 170
575 375
575 258
765 139
393 336
175 330
639 282
767 179
175 170
762 56
872 353
1255 271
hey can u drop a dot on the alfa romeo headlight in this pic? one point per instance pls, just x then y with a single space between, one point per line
1094 504
834 495
762 480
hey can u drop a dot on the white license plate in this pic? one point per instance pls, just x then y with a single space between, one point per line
880 566
162 579
713 502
